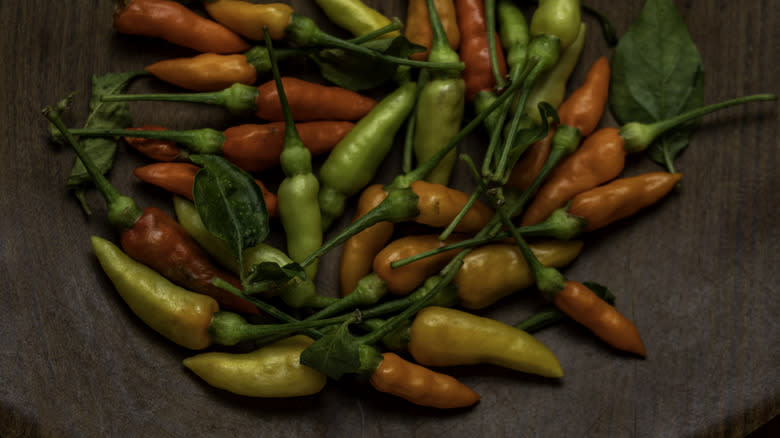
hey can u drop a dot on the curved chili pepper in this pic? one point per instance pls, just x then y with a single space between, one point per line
274 370
355 16
308 100
621 198
152 237
178 178
205 72
156 149
584 107
176 313
474 48
352 164
584 306
441 336
177 24
418 25
244 17
436 205
420 385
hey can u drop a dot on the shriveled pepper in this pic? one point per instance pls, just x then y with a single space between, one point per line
441 336
440 106
178 178
308 100
418 26
474 48
156 149
420 385
622 197
155 239
177 24
274 370
176 313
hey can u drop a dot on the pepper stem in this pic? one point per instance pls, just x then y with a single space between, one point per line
200 141
638 136
490 24
123 212
238 98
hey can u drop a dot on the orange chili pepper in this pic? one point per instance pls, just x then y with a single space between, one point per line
605 321
622 197
178 178
205 72
311 101
176 24
248 19
156 149
585 105
418 25
525 170
420 385
474 47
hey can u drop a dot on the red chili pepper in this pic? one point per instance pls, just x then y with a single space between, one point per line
154 148
474 50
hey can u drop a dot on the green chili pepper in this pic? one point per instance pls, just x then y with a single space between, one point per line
440 105
352 164
174 312
557 18
552 86
274 370
354 16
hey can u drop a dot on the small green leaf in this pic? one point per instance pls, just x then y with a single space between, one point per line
602 291
230 203
359 72
335 354
656 75
267 276
528 136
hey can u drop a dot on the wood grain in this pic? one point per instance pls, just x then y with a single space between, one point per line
695 273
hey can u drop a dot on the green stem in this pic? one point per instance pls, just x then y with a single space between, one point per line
238 98
200 141
490 22
123 212
638 136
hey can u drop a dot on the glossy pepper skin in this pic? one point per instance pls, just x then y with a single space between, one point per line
205 72
274 370
355 16
248 19
494 271
159 242
474 48
442 336
418 26
584 107
178 314
622 197
420 385
557 18
176 24
437 206
310 101
352 164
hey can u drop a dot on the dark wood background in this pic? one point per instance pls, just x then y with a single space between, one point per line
695 273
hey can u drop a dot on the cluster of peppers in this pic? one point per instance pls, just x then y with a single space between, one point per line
513 76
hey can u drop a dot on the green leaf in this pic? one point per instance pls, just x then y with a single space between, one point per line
359 72
267 276
334 354
102 115
657 73
230 203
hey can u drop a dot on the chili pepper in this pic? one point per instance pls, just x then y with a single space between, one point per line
177 24
354 16
351 165
308 100
178 178
205 72
176 313
551 315
156 149
440 105
530 163
295 294
585 105
155 239
403 280
582 305
243 17
418 26
274 370
252 147
514 33
435 205
622 197
557 18
420 385
445 337
551 87
474 47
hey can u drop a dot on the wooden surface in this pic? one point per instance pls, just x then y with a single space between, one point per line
695 273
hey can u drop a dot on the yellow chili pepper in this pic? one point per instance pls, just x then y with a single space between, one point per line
248 19
355 16
440 336
274 370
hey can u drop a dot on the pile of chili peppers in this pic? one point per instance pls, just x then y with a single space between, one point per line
549 173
